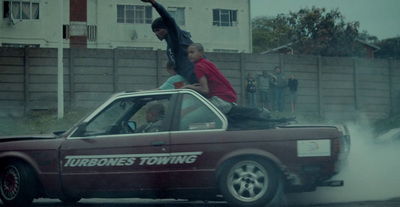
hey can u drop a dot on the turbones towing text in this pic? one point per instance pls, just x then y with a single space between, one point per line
130 159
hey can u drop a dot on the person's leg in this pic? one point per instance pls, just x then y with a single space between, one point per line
248 96
293 99
294 107
251 103
292 103
266 101
254 100
264 98
222 105
279 99
276 100
282 97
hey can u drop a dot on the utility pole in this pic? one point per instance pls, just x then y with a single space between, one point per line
60 75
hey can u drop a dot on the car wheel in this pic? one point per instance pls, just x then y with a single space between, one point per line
251 182
17 184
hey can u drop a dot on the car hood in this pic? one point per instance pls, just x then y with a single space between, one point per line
27 137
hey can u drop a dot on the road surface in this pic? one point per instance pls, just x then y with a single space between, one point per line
183 203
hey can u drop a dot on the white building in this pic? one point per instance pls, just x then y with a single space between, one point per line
221 26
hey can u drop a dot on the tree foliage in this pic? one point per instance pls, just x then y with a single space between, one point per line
312 31
390 48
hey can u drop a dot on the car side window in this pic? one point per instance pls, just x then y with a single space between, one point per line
104 122
195 115
126 116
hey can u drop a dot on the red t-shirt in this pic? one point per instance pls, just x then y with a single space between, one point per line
217 83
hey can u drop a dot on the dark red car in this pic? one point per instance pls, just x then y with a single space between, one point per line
194 154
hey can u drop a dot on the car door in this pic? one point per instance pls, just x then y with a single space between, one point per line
114 163
195 143
106 158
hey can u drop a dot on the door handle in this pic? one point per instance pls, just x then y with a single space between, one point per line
158 143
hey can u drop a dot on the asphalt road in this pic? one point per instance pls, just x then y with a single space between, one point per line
183 203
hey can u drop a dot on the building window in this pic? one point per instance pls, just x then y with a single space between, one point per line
92 32
224 18
178 14
65 31
18 10
134 14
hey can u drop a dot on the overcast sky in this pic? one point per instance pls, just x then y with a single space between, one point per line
380 18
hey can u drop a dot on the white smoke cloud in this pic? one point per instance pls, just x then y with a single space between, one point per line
371 174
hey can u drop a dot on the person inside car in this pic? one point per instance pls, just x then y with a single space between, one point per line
154 118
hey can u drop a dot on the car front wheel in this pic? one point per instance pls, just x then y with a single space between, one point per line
17 184
250 182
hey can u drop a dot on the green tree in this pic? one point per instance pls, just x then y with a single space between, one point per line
312 31
390 48
269 33
262 34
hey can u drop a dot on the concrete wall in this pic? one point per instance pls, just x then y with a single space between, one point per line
339 88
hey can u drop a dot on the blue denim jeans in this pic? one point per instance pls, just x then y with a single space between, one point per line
252 100
222 105
279 93
264 99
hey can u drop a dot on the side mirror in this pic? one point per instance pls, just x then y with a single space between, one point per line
132 125
80 132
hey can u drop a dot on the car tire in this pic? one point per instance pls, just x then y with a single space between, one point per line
249 182
17 184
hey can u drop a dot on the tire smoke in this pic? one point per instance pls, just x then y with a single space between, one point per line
371 174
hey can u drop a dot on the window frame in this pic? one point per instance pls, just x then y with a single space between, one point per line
178 13
134 14
225 17
177 116
8 8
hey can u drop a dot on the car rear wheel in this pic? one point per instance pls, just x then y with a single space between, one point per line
17 184
250 182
